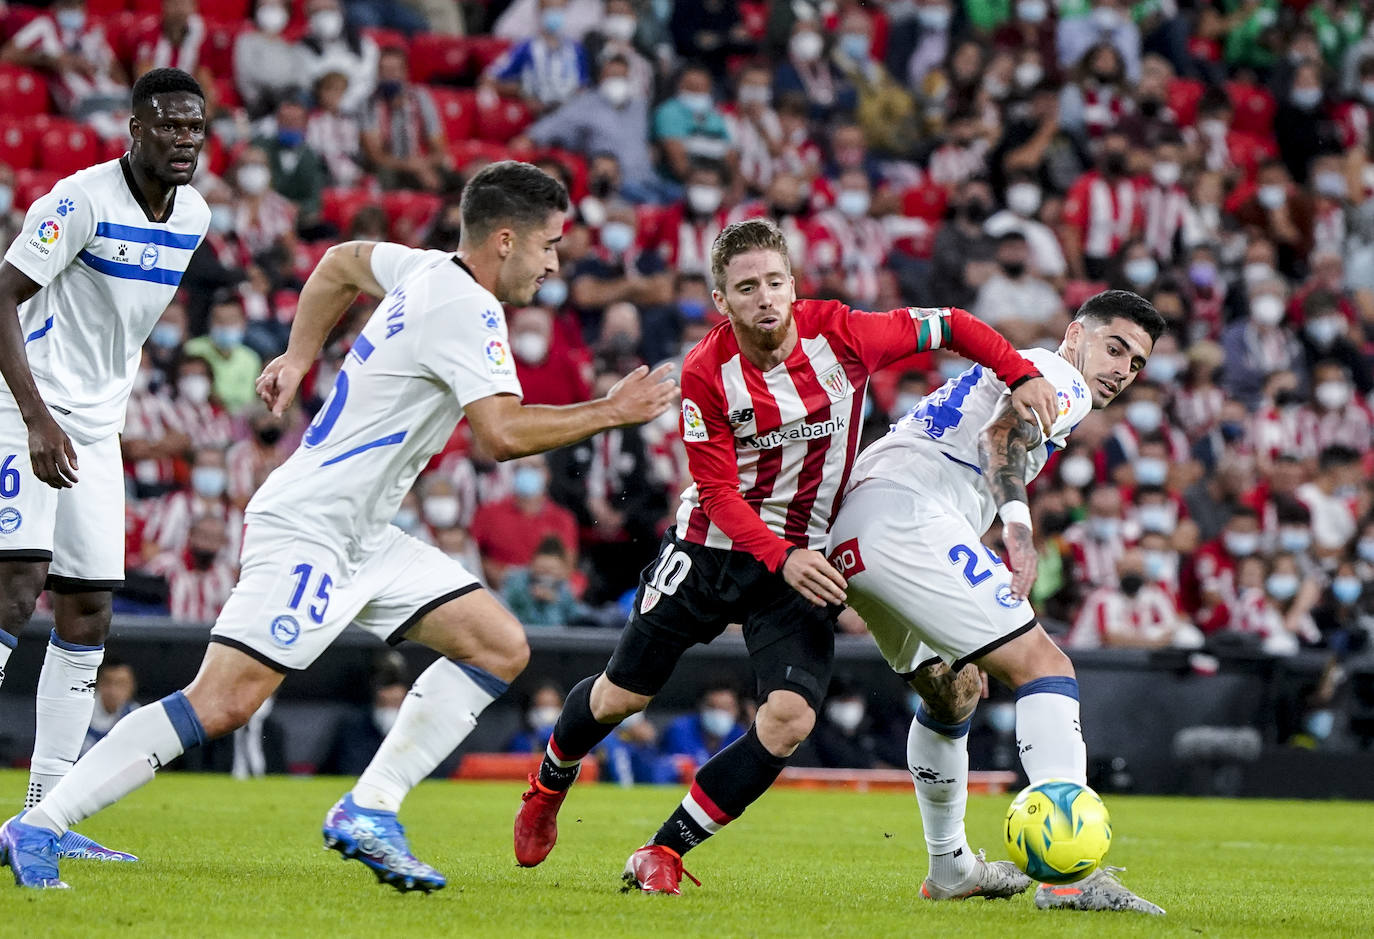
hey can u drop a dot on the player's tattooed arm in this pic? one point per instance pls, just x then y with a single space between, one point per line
1002 448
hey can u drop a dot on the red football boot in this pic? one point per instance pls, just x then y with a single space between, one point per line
536 824
656 869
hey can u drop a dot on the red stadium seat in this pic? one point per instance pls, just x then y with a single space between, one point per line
1183 97
228 10
16 19
31 185
23 92
465 151
17 148
575 164
457 112
105 7
499 119
308 255
410 212
338 206
1255 108
438 58
217 53
124 32
67 146
388 38
113 149
484 50
147 6
925 201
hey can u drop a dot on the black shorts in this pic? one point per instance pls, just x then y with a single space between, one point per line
690 593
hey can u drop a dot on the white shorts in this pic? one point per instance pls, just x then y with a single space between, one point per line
295 596
80 530
922 579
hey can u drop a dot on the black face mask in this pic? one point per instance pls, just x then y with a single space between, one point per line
1131 584
201 560
1150 107
1054 523
1114 163
1013 269
1288 397
268 436
600 186
976 211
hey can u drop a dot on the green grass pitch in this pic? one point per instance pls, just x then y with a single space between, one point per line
226 858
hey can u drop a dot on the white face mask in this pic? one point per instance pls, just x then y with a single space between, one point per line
1166 174
385 718
1241 544
254 178
1325 330
1028 75
615 89
717 721
618 27
272 19
1272 195
194 388
1212 128
542 718
440 511
221 218
1023 199
1151 471
806 46
326 25
209 482
1077 471
1333 395
1145 416
846 715
853 203
755 94
529 347
1257 271
703 199
1032 11
1331 183
1267 310
1155 518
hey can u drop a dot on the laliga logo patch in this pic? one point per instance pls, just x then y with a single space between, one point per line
1005 598
10 520
498 357
149 257
48 233
1065 403
693 425
285 630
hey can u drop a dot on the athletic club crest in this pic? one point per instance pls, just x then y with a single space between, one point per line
651 598
836 383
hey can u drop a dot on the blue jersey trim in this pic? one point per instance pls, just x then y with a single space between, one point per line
156 275
386 441
953 459
156 236
40 332
940 411
189 730
1050 684
362 348
61 643
1050 448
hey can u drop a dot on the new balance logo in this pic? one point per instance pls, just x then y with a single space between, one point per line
741 416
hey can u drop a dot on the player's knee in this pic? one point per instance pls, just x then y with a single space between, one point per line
515 655
610 702
784 721
19 590
83 618
949 697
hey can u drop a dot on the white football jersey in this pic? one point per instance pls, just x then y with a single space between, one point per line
436 342
934 448
107 271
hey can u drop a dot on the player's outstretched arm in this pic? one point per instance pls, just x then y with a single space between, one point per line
1002 447
50 451
343 273
1032 395
509 429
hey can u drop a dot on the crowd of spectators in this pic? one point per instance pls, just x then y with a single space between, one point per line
1011 158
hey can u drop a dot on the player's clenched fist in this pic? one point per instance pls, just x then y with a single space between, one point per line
643 395
278 383
1034 401
812 576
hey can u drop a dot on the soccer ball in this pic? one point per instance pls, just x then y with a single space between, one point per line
1058 831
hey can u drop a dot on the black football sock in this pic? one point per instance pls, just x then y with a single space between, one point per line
727 785
573 737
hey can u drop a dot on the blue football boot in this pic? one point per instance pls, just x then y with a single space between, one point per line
378 840
31 852
78 847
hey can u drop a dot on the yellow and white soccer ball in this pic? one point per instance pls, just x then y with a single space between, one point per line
1058 831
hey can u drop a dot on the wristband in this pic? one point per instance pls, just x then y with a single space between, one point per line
1033 373
1015 512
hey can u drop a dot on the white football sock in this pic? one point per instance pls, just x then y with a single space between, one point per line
937 755
143 742
7 645
1048 734
437 715
66 700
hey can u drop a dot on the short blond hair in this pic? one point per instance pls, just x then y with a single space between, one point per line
752 234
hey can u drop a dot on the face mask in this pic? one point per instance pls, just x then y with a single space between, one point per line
1104 529
1077 471
1346 589
268 434
272 20
1105 18
1273 195
806 47
1257 271
1331 183
1151 471
618 27
1114 163
254 178
166 335
703 200
1145 416
1232 431
552 20
1281 586
1013 269
935 19
1166 174
1366 550
1241 544
1141 271
1159 565
71 20
616 237
615 89
698 102
1319 724
1156 518
1306 98
221 219
853 203
1001 718
1367 92
1032 11
1212 128
529 347
440 511
846 715
692 309
976 211
717 722
553 293
209 482
1202 273
1131 583
1023 199
952 368
1294 540
543 717
528 482
390 88
6 198
855 46
291 139
1333 395
755 94
906 401
384 719
1325 330
1028 75
194 388
226 337
201 559
1267 310
1165 368
326 25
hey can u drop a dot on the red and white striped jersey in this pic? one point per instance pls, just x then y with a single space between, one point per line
170 517
1164 212
194 596
770 452
1110 617
1105 214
